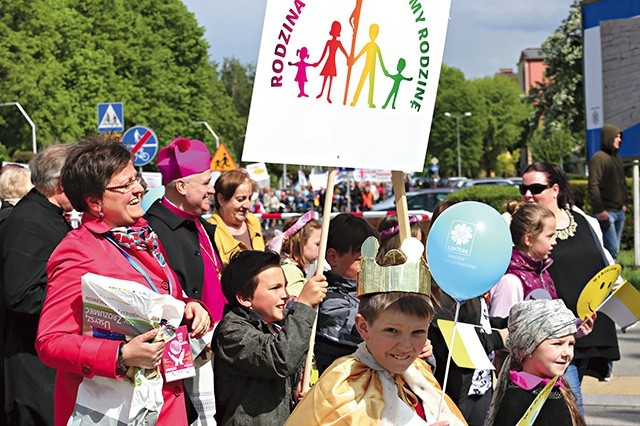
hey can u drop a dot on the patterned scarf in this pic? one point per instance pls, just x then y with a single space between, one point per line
138 238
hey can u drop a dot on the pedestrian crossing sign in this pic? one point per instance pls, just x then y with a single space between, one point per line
110 117
222 160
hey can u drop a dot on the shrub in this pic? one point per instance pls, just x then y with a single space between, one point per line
496 196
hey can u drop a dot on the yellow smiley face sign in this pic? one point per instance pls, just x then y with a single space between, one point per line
597 290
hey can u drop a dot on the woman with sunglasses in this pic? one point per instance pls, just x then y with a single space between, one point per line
577 257
113 240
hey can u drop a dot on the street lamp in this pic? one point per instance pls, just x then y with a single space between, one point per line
26 116
210 131
458 117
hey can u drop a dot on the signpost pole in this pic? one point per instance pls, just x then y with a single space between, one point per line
326 217
397 179
26 116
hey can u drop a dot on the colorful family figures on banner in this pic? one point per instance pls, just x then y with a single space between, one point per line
468 249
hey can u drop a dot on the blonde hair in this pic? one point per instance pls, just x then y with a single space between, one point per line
293 246
15 182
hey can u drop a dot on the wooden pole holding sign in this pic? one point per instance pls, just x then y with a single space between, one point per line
324 234
397 179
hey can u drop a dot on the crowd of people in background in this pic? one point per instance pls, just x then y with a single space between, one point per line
250 295
351 197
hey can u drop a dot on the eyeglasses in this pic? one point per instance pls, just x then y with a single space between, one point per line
123 189
534 188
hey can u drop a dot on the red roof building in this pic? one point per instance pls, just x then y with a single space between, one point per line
531 68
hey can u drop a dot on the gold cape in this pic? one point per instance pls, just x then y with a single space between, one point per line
351 393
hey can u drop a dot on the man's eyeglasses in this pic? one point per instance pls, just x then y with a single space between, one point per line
534 188
123 189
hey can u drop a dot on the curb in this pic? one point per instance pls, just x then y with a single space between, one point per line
611 400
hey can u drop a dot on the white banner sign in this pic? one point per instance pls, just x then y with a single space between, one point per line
347 83
259 173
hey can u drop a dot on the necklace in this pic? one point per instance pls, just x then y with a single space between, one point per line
569 231
213 258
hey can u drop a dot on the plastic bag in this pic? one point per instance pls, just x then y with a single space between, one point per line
103 401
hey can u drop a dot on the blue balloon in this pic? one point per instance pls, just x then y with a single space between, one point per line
468 249
151 196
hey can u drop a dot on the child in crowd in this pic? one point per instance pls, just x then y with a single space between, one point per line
541 340
383 382
337 335
389 233
260 348
470 389
533 231
298 245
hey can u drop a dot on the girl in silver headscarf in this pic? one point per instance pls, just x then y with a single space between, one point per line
541 340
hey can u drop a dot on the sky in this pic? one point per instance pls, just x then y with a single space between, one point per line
483 35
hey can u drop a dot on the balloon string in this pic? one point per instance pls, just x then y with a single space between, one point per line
446 371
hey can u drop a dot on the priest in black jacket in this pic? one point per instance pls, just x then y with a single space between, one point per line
186 237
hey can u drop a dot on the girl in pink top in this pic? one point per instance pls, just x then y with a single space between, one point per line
533 231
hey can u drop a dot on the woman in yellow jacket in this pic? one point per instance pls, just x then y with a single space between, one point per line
237 228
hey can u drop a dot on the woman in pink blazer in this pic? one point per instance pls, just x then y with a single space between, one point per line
113 240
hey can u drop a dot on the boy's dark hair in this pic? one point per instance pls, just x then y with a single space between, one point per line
241 274
414 304
347 233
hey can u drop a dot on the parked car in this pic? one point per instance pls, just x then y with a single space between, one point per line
516 180
453 182
424 199
488 181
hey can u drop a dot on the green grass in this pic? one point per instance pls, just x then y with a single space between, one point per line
629 272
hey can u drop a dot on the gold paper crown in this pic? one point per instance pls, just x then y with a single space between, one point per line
407 270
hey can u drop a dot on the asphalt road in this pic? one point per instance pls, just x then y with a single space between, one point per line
617 403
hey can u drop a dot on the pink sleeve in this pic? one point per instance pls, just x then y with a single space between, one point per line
504 295
60 343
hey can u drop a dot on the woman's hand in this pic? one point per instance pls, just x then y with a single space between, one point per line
314 291
141 352
199 318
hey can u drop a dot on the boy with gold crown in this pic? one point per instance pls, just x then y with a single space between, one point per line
384 382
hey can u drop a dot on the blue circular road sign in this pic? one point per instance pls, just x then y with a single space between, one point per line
143 142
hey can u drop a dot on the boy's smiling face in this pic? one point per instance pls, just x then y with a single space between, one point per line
394 339
270 297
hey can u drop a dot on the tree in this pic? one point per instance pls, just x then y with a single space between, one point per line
552 148
60 58
237 81
456 96
505 111
559 101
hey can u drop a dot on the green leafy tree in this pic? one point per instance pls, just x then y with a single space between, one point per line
238 83
505 111
60 58
456 95
553 147
237 80
559 101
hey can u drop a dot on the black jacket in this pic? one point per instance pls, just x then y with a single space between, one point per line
337 335
27 238
256 371
179 238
